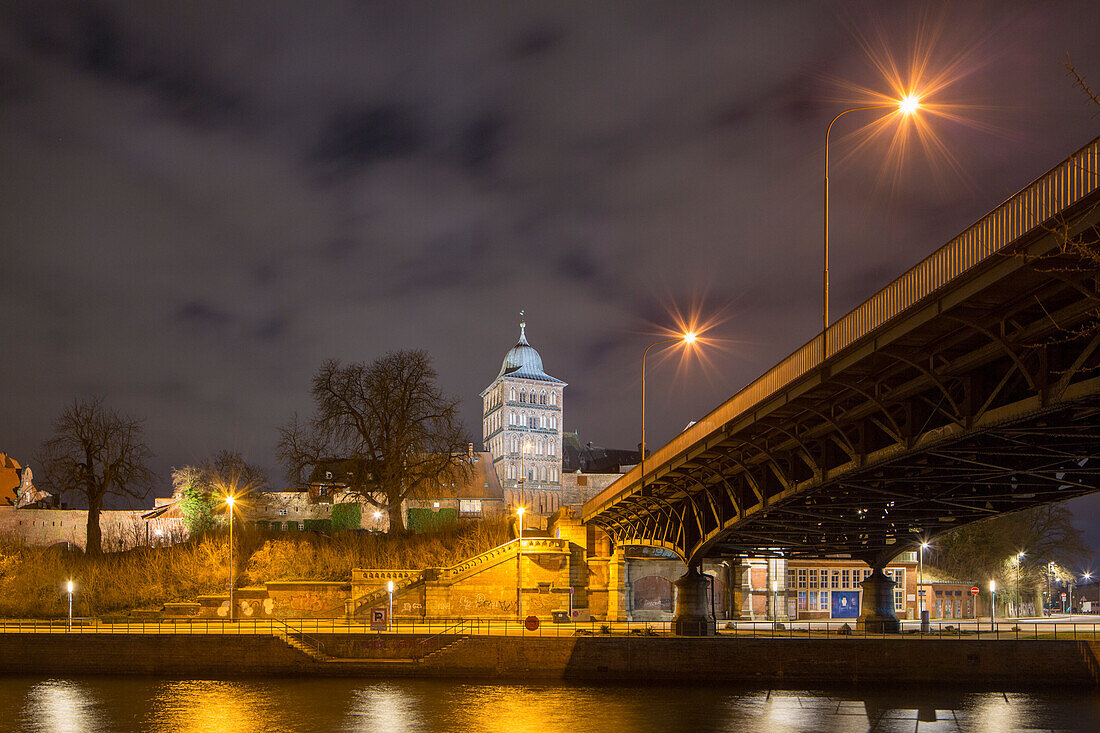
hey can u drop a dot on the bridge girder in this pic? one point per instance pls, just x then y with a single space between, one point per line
972 405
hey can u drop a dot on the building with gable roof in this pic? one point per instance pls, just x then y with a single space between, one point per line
522 429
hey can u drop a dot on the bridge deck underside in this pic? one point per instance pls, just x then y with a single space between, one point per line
983 399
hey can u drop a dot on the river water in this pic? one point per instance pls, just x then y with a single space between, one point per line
152 704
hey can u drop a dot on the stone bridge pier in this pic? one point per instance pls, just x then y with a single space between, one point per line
876 613
693 615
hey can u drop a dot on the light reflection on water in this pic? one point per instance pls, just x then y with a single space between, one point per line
412 706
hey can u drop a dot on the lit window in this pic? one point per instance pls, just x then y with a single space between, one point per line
801 600
802 578
435 504
469 507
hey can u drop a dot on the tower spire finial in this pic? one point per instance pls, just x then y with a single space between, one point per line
522 324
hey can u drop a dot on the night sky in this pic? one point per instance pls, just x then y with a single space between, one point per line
200 205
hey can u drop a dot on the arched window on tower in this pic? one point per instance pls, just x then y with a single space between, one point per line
513 395
542 398
553 398
523 395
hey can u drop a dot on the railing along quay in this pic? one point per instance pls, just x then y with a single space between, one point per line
1037 203
312 631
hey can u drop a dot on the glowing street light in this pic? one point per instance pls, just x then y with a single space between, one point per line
685 339
519 564
1019 559
906 106
230 500
70 589
389 617
920 588
993 605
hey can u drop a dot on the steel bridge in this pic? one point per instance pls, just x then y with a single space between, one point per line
968 387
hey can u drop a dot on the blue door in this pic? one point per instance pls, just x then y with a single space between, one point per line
845 603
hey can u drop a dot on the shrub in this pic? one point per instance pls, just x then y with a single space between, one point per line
348 515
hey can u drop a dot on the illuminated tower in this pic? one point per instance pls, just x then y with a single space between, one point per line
522 427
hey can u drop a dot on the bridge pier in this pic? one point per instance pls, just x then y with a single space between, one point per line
694 616
876 613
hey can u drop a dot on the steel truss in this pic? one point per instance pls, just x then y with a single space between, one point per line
984 399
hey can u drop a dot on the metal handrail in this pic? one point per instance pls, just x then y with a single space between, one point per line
317 644
1068 183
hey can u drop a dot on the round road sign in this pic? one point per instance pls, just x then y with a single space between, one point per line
531 623
974 590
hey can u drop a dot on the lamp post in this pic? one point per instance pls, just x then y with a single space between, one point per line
1050 598
1019 560
906 106
775 603
920 588
519 565
993 605
70 588
230 501
389 616
687 338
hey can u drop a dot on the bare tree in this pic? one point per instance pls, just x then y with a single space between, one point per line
95 452
388 421
989 549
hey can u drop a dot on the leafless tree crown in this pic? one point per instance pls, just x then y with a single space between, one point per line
388 422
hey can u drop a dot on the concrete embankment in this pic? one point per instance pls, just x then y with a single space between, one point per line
772 662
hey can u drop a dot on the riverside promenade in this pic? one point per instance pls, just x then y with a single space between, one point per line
1017 657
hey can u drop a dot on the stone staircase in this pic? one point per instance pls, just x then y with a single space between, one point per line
364 602
310 651
445 648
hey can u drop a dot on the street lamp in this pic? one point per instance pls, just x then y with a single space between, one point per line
920 588
775 603
230 501
993 605
687 338
1019 559
906 106
519 565
389 616
70 588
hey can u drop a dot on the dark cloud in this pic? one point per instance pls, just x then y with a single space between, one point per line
203 314
481 141
355 137
536 42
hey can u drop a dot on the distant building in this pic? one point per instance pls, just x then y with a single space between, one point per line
522 429
591 458
470 492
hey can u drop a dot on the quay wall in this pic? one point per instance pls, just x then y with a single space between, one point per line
768 662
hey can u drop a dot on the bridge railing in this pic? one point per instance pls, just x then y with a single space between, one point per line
1065 185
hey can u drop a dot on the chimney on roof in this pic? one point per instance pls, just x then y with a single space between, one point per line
470 450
